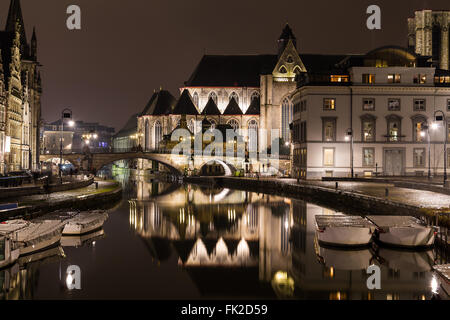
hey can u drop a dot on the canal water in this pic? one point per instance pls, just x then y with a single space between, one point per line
167 241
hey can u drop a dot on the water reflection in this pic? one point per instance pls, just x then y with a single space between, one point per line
218 232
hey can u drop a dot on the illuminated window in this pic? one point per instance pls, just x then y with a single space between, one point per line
394 128
394 104
328 157
338 78
329 104
329 129
213 96
368 78
195 99
419 105
234 123
418 122
394 78
420 78
368 157
368 104
368 125
234 96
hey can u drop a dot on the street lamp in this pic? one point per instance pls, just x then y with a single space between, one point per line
65 114
349 137
426 131
438 117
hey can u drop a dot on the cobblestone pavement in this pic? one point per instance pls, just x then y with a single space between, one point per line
408 196
24 200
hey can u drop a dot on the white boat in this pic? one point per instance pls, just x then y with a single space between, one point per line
85 222
344 259
443 271
82 240
8 252
31 237
343 230
408 260
403 231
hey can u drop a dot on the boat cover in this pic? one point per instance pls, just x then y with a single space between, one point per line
396 221
324 221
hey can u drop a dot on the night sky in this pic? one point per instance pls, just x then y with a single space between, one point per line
126 49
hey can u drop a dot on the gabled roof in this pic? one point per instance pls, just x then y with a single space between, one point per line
129 128
211 109
231 70
185 105
254 108
232 108
161 103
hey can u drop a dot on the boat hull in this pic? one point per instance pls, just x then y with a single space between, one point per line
342 259
77 230
408 237
345 236
51 242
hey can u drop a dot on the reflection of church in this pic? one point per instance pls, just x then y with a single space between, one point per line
241 91
240 243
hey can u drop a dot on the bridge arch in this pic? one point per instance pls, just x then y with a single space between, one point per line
100 160
229 169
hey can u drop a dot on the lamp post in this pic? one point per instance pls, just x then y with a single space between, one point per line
438 117
426 130
349 137
65 114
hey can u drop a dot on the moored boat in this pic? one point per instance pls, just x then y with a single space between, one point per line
443 271
8 252
343 230
84 223
403 231
31 237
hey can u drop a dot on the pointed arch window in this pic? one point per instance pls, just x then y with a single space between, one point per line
297 70
253 135
234 123
213 96
283 69
286 119
191 126
235 96
255 95
147 135
157 134
195 99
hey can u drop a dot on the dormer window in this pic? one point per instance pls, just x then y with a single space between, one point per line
394 78
420 78
297 70
283 69
368 78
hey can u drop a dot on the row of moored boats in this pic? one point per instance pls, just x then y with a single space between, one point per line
21 238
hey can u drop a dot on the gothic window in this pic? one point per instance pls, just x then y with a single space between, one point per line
234 123
289 59
195 99
191 126
297 70
283 69
235 96
253 135
368 125
418 123
213 123
147 136
394 128
286 118
255 95
157 134
213 96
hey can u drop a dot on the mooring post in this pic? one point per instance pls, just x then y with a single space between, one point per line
386 192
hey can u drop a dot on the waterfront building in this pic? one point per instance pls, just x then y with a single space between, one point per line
243 91
95 136
20 95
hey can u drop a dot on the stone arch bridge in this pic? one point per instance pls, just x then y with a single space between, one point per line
174 163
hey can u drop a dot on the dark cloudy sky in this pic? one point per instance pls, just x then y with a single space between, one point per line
126 49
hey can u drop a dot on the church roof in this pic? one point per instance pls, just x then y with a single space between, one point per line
162 102
185 105
232 108
211 108
129 128
254 108
231 70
